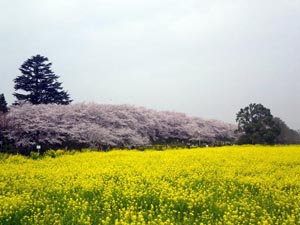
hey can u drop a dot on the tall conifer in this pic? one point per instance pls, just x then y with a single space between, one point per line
3 104
39 84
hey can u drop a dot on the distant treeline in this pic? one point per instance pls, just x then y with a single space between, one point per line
27 127
91 125
42 118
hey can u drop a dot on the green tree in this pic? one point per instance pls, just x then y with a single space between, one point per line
256 125
3 104
39 83
287 135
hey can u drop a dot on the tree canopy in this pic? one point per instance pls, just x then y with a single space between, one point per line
39 84
87 125
256 125
3 104
287 135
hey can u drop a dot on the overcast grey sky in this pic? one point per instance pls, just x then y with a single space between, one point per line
204 58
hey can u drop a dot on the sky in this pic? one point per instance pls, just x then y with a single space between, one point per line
205 58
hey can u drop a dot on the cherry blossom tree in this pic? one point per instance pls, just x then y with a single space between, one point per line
102 126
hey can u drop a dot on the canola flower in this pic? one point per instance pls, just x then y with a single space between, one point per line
225 185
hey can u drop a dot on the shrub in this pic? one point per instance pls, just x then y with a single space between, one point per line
51 153
60 152
34 155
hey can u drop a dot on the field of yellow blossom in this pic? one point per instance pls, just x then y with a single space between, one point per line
224 185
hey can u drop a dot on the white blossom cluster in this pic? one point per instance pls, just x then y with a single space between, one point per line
90 124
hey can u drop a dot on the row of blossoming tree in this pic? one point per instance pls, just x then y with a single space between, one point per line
104 126
42 115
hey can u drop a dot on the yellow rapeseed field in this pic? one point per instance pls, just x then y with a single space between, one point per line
224 185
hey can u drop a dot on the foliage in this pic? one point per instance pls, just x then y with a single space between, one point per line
3 104
228 185
3 112
35 155
287 135
56 153
51 153
4 156
39 83
105 126
2 127
257 125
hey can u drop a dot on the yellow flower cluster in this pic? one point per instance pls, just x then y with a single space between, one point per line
225 185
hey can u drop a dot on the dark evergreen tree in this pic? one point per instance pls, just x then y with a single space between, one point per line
3 104
3 111
39 83
256 125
